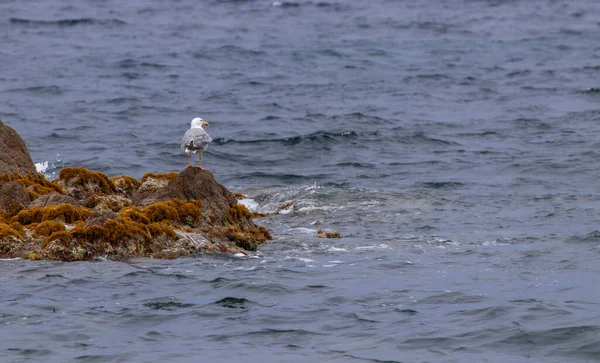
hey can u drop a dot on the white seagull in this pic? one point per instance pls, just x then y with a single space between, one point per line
195 139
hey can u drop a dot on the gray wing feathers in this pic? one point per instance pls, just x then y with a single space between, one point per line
195 139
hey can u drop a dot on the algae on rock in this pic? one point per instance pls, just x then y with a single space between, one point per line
86 215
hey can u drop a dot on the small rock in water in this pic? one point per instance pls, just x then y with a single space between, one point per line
322 234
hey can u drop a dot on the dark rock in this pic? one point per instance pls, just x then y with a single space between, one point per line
100 216
14 157
53 199
13 197
194 184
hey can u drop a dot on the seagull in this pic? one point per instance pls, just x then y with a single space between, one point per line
195 139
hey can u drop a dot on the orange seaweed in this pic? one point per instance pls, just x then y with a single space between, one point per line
168 176
46 228
161 211
65 212
126 183
82 176
35 185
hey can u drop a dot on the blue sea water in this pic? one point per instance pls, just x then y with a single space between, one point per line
453 144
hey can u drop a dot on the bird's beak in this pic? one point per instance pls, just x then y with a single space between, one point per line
204 123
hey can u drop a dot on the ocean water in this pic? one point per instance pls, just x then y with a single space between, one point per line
453 144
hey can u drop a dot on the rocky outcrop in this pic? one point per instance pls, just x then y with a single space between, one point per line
193 184
14 157
85 215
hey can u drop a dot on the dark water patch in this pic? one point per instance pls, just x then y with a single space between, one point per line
166 304
360 358
558 339
52 277
129 63
397 265
422 138
137 274
286 4
153 336
432 77
592 91
40 90
132 75
272 288
332 53
281 177
153 65
452 298
360 319
270 118
31 353
352 165
278 332
415 163
317 137
409 312
317 287
233 303
99 358
441 185
519 73
490 313
362 118
237 50
531 123
220 282
67 22
426 228
593 236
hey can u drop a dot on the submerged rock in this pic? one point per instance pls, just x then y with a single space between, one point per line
324 234
85 215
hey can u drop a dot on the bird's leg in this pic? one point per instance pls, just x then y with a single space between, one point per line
200 163
189 158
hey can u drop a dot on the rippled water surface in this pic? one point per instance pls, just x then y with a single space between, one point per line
453 144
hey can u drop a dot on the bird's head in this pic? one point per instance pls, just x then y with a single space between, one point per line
198 122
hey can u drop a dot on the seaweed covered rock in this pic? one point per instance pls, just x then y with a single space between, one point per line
80 183
53 198
150 184
85 215
194 184
14 157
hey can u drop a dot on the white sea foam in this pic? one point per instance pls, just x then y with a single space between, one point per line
43 166
303 259
287 209
303 230
249 203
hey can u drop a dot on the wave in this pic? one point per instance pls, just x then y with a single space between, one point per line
68 22
316 137
44 90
